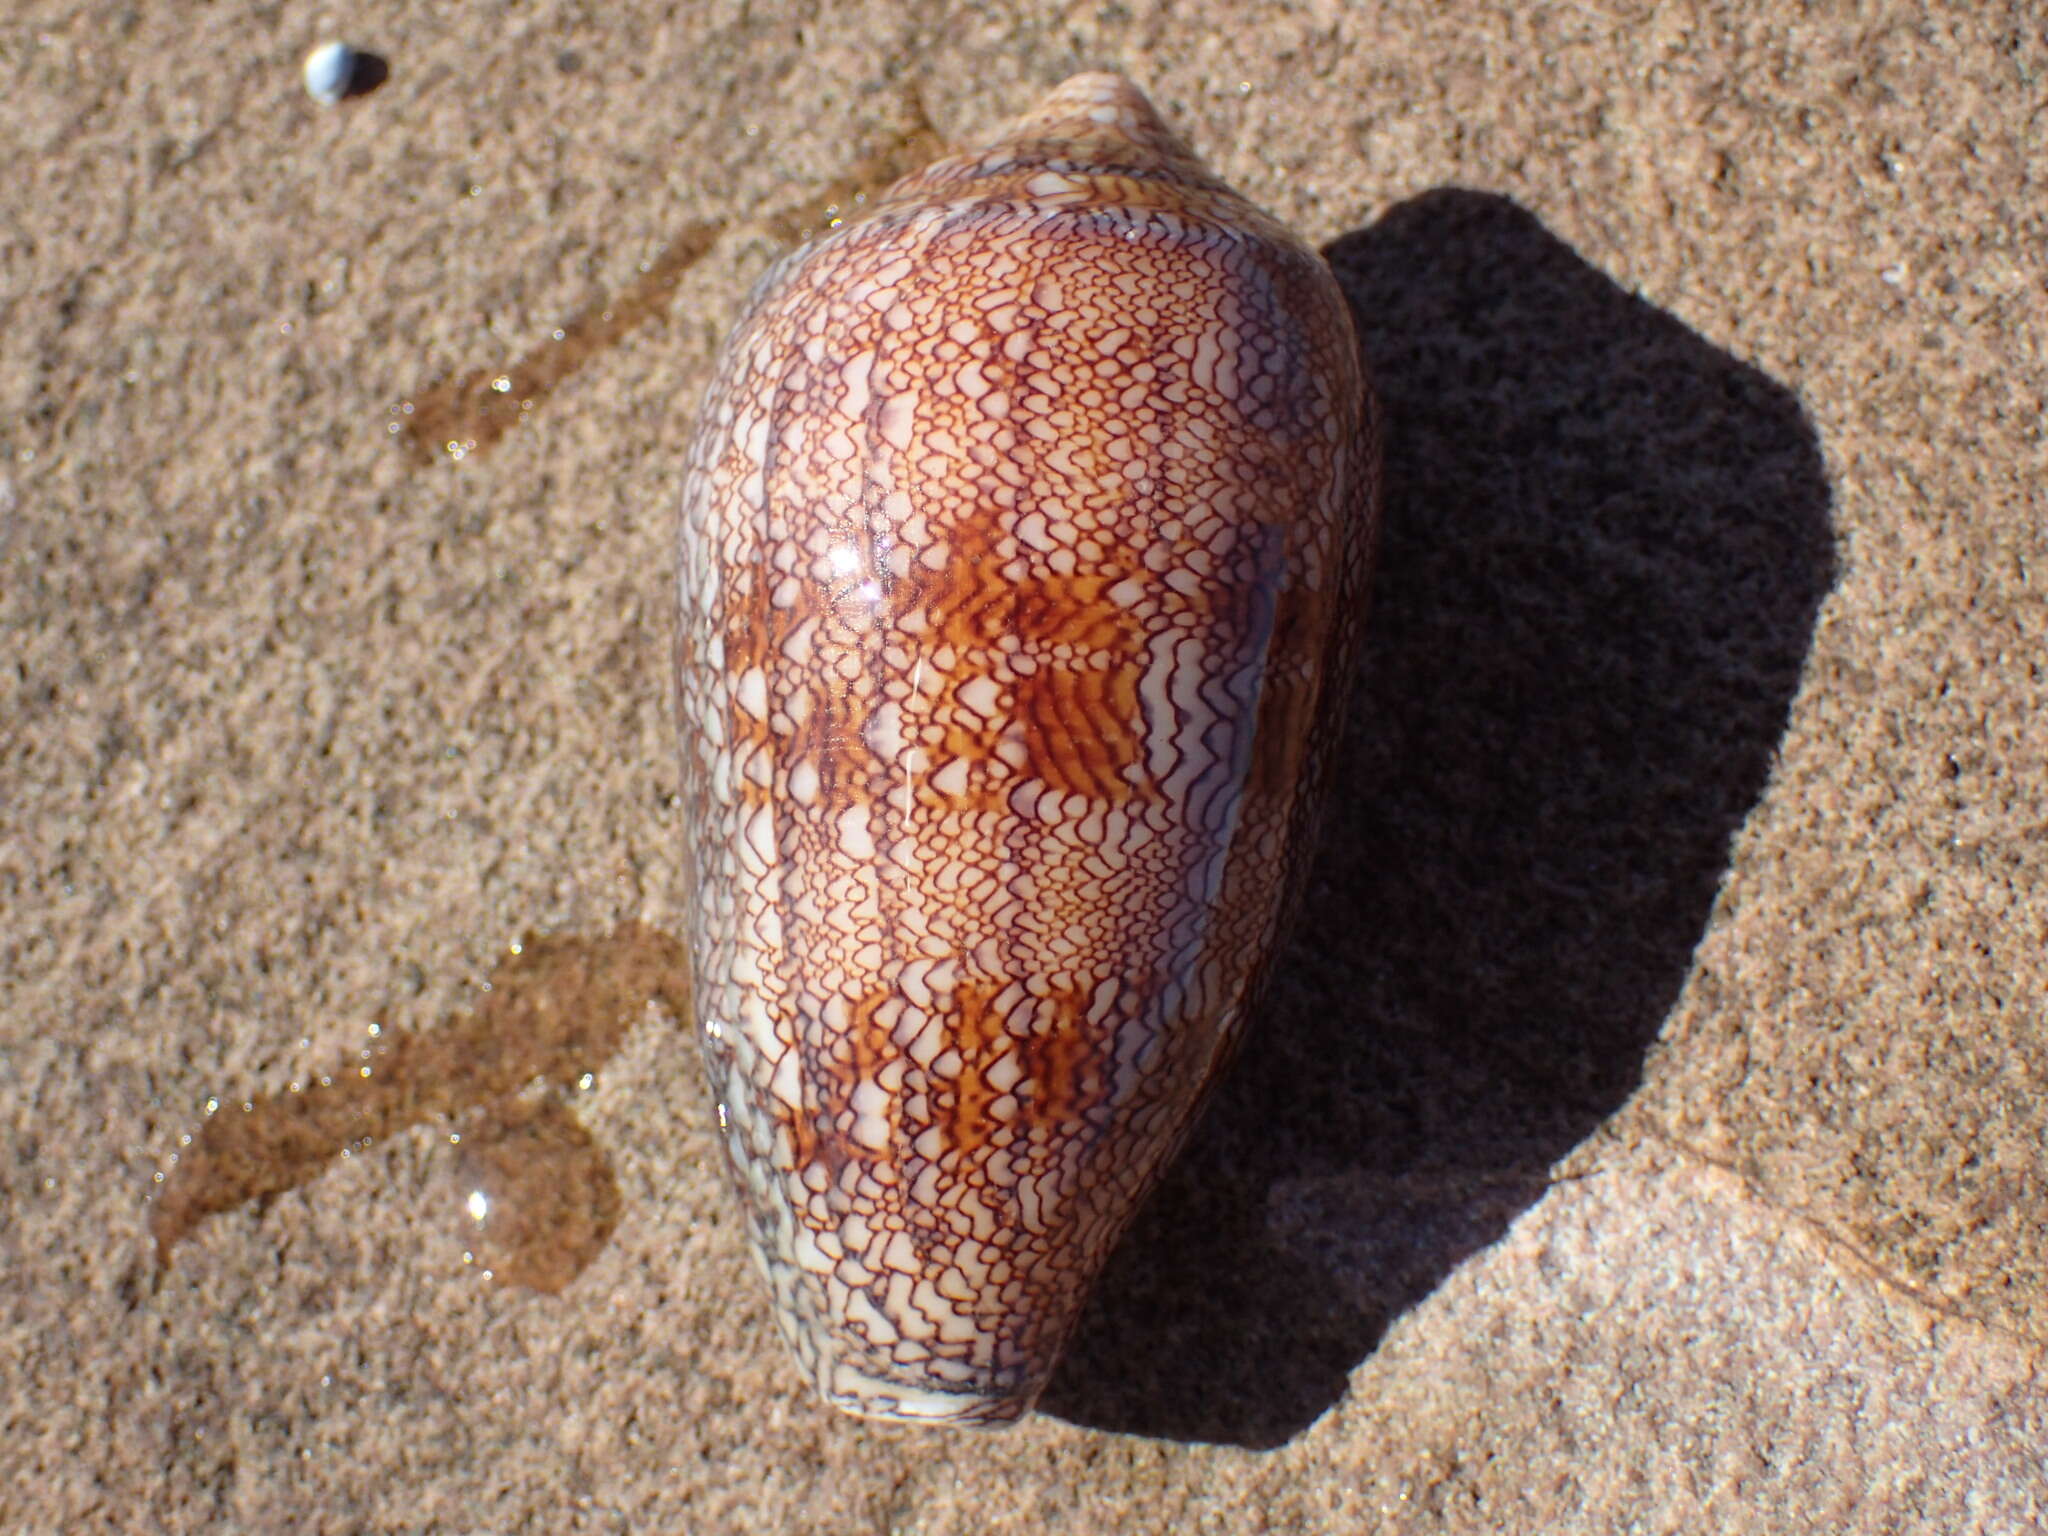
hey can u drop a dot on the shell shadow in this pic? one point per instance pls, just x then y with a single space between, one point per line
1606 542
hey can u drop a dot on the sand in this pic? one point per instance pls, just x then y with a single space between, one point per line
1648 1127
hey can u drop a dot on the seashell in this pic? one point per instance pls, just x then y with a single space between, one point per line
1023 542
329 71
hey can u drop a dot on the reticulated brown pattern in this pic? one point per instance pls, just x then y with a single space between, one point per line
1025 528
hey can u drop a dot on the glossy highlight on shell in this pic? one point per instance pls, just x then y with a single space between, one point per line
1023 546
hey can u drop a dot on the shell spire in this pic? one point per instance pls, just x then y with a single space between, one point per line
1023 546
1100 118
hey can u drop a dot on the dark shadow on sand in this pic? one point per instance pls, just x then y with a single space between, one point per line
1606 541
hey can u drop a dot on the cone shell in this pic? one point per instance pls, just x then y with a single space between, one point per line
1023 544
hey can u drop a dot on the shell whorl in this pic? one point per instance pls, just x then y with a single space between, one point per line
1024 532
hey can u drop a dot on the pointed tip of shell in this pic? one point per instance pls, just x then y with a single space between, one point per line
1095 106
1102 97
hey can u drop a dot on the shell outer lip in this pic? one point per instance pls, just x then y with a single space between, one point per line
898 1403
